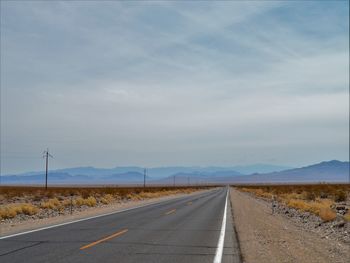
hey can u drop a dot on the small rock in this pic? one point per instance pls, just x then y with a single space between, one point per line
340 224
340 207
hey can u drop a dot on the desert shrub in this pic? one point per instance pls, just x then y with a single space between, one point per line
53 203
109 197
79 201
298 204
340 196
308 195
327 214
106 199
66 202
29 209
310 198
7 212
90 201
146 195
134 196
10 211
310 206
129 196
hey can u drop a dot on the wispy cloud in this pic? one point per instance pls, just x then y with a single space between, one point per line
158 83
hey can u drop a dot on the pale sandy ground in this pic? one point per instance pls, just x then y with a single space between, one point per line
12 228
273 238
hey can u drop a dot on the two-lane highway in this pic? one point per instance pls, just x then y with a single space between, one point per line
196 228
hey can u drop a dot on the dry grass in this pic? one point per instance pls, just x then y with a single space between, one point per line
90 201
51 204
29 209
106 199
317 199
10 211
66 203
39 193
7 212
12 198
314 207
327 214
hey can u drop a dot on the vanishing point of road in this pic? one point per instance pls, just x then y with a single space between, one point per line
195 228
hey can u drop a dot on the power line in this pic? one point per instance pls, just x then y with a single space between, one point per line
46 155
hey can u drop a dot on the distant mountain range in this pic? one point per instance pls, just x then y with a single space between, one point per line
331 171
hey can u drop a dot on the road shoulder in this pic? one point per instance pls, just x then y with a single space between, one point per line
271 238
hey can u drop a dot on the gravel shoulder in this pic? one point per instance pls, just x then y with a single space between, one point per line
13 227
271 238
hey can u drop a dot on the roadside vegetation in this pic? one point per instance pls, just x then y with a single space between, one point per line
322 199
29 201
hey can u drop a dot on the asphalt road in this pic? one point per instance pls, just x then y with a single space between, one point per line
186 229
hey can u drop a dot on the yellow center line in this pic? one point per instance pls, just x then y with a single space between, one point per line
104 239
170 212
189 203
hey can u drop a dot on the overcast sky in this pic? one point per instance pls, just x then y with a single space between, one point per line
173 83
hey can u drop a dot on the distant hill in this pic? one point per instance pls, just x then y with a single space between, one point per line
128 177
54 177
159 172
331 171
259 168
184 178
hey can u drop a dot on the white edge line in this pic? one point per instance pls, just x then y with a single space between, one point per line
220 246
88 218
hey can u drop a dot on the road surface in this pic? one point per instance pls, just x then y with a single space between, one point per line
187 229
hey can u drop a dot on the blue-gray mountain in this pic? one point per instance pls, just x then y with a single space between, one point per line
332 171
132 173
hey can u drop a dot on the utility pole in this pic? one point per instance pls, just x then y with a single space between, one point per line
144 177
174 180
46 155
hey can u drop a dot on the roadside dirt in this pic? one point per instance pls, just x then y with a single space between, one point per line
12 227
271 238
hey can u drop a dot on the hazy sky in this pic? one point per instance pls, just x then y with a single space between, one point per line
173 83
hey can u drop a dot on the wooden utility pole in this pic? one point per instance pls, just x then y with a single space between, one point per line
144 177
46 155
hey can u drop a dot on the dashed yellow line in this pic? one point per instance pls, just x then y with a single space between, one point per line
104 239
170 212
